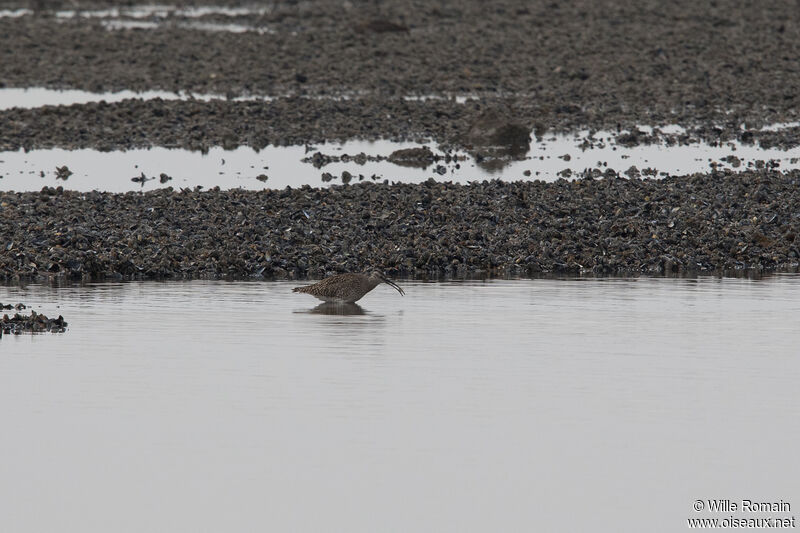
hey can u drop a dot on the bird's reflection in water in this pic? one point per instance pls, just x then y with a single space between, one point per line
351 322
341 309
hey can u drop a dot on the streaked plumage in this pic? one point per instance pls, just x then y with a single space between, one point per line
346 288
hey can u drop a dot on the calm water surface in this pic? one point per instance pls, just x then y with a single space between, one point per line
549 405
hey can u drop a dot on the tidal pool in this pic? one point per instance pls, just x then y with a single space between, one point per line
549 159
520 405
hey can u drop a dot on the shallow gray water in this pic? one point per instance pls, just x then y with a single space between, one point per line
544 405
548 159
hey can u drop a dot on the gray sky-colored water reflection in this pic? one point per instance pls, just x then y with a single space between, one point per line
608 405
283 166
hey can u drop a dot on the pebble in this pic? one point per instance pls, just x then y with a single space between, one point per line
63 173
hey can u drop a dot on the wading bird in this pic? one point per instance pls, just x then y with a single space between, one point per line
347 288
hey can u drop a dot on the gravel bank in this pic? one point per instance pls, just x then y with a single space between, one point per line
197 125
711 222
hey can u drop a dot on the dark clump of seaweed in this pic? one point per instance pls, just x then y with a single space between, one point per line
33 323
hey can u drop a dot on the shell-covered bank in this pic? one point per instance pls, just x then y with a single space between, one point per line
720 221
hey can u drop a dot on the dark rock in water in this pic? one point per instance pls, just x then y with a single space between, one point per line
141 179
441 170
633 172
319 159
33 323
495 131
413 157
327 176
346 177
63 173
262 177
164 177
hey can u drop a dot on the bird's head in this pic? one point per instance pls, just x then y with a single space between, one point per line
379 277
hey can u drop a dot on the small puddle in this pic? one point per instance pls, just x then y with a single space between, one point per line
32 97
15 13
152 11
551 158
150 17
124 24
164 11
39 97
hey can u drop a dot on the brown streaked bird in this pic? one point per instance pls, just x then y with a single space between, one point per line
347 288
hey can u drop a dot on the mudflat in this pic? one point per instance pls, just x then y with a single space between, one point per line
714 66
408 70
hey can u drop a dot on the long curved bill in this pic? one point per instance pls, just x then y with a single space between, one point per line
395 285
